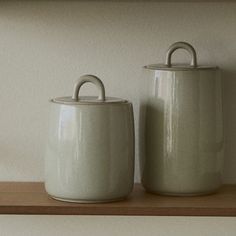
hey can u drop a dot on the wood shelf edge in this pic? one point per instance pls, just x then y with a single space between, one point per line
30 198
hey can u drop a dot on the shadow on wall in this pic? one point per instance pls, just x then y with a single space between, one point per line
229 108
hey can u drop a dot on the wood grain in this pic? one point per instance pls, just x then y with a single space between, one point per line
31 198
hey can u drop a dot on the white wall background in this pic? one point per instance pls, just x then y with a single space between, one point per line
46 45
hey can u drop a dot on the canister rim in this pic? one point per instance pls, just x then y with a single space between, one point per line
88 100
179 67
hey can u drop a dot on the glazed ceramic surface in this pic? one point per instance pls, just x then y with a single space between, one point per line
90 152
183 130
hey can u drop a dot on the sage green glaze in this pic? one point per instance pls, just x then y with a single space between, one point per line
90 151
183 133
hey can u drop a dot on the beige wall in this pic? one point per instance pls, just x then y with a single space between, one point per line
116 226
46 45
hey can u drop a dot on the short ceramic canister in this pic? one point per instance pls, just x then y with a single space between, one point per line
90 151
183 127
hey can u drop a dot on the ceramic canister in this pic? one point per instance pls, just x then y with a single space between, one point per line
90 151
183 127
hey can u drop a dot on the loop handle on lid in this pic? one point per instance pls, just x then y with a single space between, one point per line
92 79
185 46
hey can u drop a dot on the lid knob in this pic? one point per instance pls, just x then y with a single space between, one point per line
185 46
91 79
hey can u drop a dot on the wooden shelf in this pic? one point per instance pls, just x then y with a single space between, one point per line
31 198
186 1
165 0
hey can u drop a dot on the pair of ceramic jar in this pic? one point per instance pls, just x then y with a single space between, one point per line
90 152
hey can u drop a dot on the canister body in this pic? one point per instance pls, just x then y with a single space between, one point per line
90 152
183 132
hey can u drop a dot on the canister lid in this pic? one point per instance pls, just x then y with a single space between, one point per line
75 99
168 66
178 67
87 100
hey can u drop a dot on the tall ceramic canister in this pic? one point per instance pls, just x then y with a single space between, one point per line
90 151
183 127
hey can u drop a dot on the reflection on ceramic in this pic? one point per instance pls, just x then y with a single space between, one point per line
183 131
90 152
